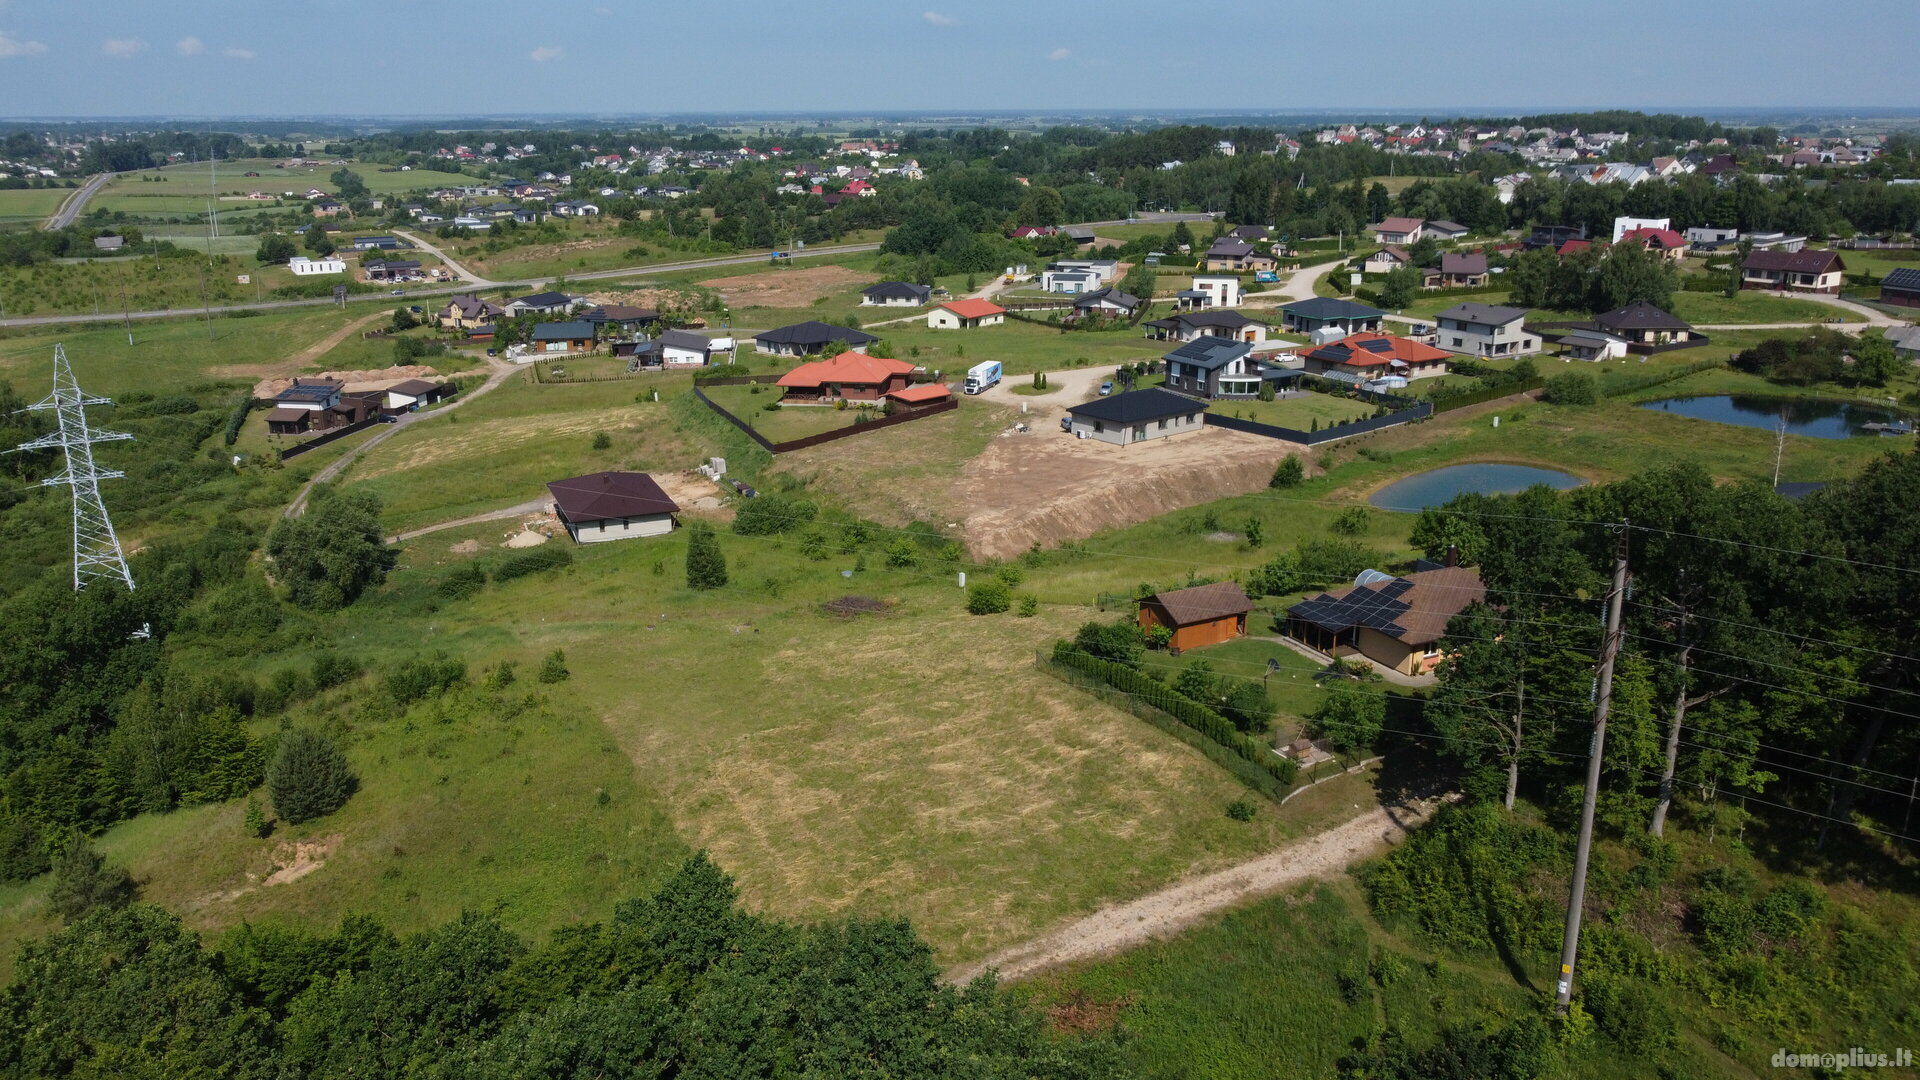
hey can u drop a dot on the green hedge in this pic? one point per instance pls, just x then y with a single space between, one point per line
1485 394
1277 772
1622 387
238 417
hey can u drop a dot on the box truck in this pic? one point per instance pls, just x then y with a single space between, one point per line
981 376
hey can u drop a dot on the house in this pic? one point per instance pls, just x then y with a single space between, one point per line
1906 342
1901 287
612 506
545 303
1202 615
1032 232
895 294
1644 326
1079 234
1070 282
1592 345
312 395
465 312
562 337
109 243
375 243
1624 225
1486 330
1104 269
1211 291
1399 230
810 337
1230 254
672 349
1444 230
1573 246
1193 325
409 394
1212 367
1387 260
1367 356
1665 243
1396 622
1136 416
575 209
320 405
1306 316
1553 236
965 315
1107 303
619 319
1797 271
1709 237
393 270
1468 269
303 266
853 376
326 208
1252 234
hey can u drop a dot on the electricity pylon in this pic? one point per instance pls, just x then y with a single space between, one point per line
96 547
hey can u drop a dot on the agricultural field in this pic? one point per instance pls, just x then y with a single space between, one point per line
188 186
27 208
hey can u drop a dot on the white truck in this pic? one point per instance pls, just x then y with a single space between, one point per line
981 376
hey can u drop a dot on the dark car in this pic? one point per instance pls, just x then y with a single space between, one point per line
387 418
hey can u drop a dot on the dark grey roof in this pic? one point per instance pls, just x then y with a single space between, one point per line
1216 319
887 290
562 331
814 332
1139 406
604 495
1482 314
1113 295
683 339
1640 315
1327 307
1472 262
1210 353
1795 262
1228 248
1250 232
1905 279
543 299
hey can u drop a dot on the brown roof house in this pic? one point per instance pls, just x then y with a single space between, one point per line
1202 615
1396 622
612 506
1798 271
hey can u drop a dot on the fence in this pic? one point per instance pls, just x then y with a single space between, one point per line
826 436
736 380
325 438
1487 393
1419 411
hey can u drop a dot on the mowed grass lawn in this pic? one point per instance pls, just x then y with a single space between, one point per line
1023 347
749 404
1706 309
1298 413
197 181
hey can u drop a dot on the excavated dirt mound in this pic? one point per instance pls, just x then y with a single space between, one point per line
785 288
659 298
357 381
1044 486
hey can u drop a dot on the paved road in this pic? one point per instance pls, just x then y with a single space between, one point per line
76 202
501 370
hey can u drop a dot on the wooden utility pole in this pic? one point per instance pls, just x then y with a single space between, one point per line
1603 700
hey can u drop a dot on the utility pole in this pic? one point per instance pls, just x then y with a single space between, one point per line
1603 700
1779 447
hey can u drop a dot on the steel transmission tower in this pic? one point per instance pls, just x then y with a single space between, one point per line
96 548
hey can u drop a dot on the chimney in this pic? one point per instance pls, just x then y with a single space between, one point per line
1453 555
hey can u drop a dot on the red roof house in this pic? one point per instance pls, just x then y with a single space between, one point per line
965 314
851 375
920 395
1664 242
1371 355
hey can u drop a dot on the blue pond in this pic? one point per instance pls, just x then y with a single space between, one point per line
1804 416
1421 490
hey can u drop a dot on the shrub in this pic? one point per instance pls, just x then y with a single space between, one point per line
414 679
1289 473
988 598
903 554
767 515
1029 606
255 821
462 582
1010 574
1117 641
308 777
1255 532
532 561
500 677
602 441
554 668
706 563
1352 521
1241 810
330 669
82 881
1247 706
814 545
1573 388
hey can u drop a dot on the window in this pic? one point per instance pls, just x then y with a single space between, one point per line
1163 425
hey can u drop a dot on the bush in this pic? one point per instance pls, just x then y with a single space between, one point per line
1010 574
706 563
768 515
1117 641
1289 473
1573 388
462 582
1029 606
308 777
1241 810
1352 521
903 554
602 441
554 668
330 669
82 881
417 678
988 598
548 556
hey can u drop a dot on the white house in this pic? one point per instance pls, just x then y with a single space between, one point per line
1486 330
965 315
1624 225
612 506
1071 282
1222 290
304 267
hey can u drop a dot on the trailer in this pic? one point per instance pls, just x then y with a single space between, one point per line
982 376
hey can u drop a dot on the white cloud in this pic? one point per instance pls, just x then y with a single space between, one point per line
545 53
238 54
13 46
938 19
122 47
190 46
1060 54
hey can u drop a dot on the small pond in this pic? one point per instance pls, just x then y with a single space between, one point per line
1816 417
1436 486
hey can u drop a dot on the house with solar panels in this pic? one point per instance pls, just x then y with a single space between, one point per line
1396 622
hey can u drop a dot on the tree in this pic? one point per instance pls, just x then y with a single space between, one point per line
308 776
1351 716
1182 237
554 668
1399 287
275 248
1041 206
1379 202
328 556
1246 704
706 563
1630 272
1197 682
349 185
317 241
82 881
1289 473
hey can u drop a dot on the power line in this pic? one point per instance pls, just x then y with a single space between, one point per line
96 547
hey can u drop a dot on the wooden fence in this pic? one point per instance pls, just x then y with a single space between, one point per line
1418 411
324 438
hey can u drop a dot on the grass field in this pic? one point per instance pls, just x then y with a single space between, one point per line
133 192
780 425
28 207
1298 413
1023 347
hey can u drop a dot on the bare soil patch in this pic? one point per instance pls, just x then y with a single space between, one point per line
659 298
849 606
785 288
357 381
1044 486
465 547
289 861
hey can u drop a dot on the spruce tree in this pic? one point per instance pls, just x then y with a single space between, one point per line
82 881
308 777
706 564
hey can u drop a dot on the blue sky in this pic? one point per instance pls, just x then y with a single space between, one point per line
399 57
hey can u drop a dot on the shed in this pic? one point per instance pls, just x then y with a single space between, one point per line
1202 615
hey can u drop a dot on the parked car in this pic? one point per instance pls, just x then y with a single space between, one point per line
388 418
1106 388
1066 423
399 292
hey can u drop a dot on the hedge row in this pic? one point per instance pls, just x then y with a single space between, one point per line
238 417
1485 394
1622 387
1189 712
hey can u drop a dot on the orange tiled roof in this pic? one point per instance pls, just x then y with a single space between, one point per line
974 309
1368 349
849 368
919 392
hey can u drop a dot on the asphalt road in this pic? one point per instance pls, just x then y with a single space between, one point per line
76 202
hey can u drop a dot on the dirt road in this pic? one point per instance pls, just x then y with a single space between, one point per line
528 508
1129 925
465 274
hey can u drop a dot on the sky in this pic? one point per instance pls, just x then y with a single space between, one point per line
83 58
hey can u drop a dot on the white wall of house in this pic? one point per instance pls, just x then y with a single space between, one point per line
1122 434
303 266
676 357
595 532
891 301
1624 225
1223 289
1478 339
